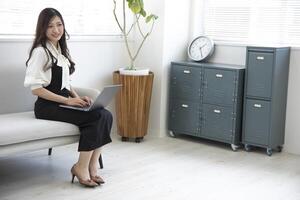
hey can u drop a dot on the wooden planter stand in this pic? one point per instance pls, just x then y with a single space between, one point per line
133 104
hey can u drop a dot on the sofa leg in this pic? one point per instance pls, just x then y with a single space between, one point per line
100 162
100 158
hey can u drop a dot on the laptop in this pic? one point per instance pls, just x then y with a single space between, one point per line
102 100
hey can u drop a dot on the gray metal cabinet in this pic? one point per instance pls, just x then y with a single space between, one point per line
219 86
217 122
184 81
185 117
205 100
259 74
257 126
265 97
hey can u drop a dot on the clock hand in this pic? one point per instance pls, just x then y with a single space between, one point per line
201 52
203 45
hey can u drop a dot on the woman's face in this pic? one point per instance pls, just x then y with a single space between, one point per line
55 30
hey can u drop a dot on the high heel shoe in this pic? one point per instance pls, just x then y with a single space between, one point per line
86 183
97 179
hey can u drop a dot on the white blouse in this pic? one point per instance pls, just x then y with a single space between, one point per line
36 77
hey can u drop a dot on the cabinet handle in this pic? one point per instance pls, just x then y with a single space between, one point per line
219 75
186 71
184 106
217 111
257 105
260 58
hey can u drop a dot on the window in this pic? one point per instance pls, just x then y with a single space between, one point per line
82 17
253 21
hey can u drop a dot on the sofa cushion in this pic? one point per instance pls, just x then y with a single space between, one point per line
14 97
22 127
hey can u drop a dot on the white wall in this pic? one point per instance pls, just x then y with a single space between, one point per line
292 125
95 60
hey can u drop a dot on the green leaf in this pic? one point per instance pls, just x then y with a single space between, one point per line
141 3
151 17
130 2
137 7
143 12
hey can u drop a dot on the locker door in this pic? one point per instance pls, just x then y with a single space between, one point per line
185 82
256 122
184 117
259 70
217 122
219 87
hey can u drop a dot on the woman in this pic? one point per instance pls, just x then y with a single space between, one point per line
48 68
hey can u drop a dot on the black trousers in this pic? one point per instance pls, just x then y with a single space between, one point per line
94 126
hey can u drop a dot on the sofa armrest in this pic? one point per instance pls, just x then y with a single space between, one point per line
91 92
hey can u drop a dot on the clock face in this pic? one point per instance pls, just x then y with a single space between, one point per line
200 48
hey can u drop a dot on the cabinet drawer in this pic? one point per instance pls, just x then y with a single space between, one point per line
217 122
219 86
256 122
259 74
185 82
184 117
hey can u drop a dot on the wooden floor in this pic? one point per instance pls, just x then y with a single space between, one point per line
158 168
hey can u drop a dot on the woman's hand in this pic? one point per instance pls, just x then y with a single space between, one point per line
87 99
71 101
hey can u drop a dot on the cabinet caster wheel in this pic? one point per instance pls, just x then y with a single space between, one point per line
172 134
247 147
234 147
269 151
124 139
138 139
279 148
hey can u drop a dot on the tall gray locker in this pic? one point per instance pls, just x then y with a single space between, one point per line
266 82
205 100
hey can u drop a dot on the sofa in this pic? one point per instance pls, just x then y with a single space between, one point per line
20 131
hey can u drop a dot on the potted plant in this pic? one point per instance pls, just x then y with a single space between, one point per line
133 102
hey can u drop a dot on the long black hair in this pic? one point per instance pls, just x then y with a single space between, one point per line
44 19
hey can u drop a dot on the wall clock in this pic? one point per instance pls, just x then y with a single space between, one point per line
201 48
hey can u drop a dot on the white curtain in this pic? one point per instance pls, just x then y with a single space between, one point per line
82 17
252 21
